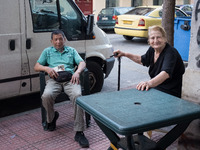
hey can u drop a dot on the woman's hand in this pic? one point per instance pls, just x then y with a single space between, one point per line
143 86
118 53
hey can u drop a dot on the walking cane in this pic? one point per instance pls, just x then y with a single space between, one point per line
119 70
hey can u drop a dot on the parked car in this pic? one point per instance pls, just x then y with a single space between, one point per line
135 22
186 8
107 16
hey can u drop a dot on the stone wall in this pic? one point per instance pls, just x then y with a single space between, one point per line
191 81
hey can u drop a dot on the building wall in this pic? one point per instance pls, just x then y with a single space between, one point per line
97 6
147 2
125 3
180 2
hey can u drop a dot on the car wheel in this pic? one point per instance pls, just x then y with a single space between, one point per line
128 37
96 76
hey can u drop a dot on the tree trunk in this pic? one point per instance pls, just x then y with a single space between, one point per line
168 19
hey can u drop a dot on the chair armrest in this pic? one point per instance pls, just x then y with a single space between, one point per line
85 82
42 82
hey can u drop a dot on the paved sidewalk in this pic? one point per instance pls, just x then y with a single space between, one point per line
24 132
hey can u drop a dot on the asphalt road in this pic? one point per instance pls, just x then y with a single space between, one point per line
131 74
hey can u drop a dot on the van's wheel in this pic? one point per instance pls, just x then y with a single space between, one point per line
96 76
128 37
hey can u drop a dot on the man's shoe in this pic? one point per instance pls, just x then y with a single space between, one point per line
52 125
81 139
45 126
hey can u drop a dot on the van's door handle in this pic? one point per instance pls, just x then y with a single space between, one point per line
12 45
28 44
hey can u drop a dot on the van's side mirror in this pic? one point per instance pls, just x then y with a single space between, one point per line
90 24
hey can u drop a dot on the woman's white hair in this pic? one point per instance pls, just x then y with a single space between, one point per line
157 28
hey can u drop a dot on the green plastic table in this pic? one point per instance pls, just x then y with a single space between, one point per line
132 112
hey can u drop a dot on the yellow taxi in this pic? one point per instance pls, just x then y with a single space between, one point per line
135 22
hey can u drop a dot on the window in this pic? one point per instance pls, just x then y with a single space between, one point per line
71 21
44 15
136 3
157 2
178 13
123 10
46 18
187 8
112 3
140 11
107 11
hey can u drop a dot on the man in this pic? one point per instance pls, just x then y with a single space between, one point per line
67 57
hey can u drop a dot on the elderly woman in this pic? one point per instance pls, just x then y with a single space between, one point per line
166 67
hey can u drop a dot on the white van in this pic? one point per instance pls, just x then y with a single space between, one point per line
25 30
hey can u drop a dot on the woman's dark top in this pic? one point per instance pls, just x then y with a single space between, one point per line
169 61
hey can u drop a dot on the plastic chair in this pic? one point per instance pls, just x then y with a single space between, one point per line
84 81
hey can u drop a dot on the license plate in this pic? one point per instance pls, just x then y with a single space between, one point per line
104 18
127 22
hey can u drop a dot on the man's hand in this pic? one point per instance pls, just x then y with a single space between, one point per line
52 73
75 78
76 75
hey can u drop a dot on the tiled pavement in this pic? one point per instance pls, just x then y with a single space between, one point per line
24 132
